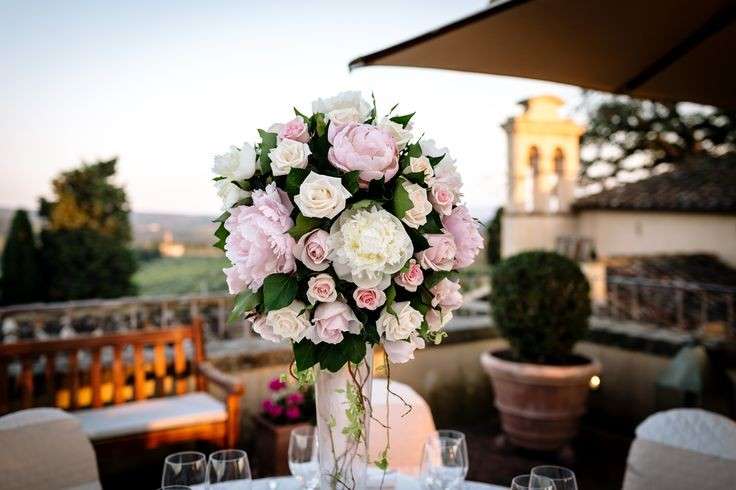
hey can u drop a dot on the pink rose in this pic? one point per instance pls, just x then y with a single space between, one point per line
464 230
412 278
258 244
330 320
321 288
366 148
369 298
446 295
276 385
312 250
437 319
440 255
295 130
295 398
293 412
442 198
401 351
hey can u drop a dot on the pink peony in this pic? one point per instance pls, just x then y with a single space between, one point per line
258 244
369 298
401 351
295 130
366 148
412 278
312 250
464 230
330 321
276 385
440 255
446 295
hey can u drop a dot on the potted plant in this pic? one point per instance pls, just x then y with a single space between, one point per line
540 303
285 410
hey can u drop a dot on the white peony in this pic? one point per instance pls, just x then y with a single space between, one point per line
367 246
420 164
237 164
290 322
401 135
400 324
345 107
287 155
229 193
321 196
417 215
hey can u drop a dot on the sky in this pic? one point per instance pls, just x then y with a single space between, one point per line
166 85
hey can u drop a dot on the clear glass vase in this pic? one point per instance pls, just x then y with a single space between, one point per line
343 416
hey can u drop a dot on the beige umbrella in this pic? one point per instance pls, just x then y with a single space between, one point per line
669 50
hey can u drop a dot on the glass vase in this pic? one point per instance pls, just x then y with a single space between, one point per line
343 416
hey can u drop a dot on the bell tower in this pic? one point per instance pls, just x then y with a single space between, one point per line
543 167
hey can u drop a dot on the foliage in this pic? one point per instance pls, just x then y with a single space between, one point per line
20 263
540 303
625 134
181 275
494 238
85 241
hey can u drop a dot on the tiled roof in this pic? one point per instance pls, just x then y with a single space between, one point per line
686 268
703 186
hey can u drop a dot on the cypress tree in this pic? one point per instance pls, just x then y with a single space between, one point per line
20 267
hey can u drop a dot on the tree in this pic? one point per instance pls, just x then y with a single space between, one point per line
20 268
85 241
627 134
494 238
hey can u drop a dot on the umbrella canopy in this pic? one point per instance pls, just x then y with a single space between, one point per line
671 50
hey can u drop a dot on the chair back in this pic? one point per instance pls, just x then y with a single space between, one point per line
98 370
683 449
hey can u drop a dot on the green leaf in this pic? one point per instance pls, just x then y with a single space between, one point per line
294 180
221 233
279 290
268 142
244 302
433 224
351 181
305 354
354 348
222 218
364 204
390 298
332 356
417 239
414 150
437 276
299 113
403 120
320 124
435 160
416 177
372 115
303 225
402 202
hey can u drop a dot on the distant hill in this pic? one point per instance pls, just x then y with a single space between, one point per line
148 228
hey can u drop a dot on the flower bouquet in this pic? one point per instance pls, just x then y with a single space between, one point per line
344 231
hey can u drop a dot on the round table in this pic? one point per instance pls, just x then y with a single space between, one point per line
403 482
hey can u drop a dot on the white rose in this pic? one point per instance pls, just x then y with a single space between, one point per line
343 108
287 322
237 164
402 351
287 155
321 288
229 193
367 246
402 324
401 135
321 196
263 329
420 164
417 215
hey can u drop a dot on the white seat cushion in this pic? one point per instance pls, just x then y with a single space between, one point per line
150 415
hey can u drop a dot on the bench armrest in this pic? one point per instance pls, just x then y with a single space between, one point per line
228 383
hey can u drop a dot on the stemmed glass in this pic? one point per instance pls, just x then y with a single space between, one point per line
444 460
303 457
532 482
563 478
186 468
229 469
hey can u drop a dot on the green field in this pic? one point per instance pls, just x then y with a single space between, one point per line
181 275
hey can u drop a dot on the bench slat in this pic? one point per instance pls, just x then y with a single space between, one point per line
95 375
139 372
118 380
26 382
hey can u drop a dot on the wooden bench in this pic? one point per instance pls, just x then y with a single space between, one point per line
147 387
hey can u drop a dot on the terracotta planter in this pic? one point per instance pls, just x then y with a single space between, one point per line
272 446
540 405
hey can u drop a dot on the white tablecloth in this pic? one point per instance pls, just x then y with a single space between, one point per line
403 483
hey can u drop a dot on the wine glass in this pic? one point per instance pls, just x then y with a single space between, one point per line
186 468
229 469
532 482
563 478
175 487
444 461
303 457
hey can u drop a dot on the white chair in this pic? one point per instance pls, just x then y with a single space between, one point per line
408 432
45 448
683 449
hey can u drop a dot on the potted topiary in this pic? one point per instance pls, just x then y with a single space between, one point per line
282 412
540 303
